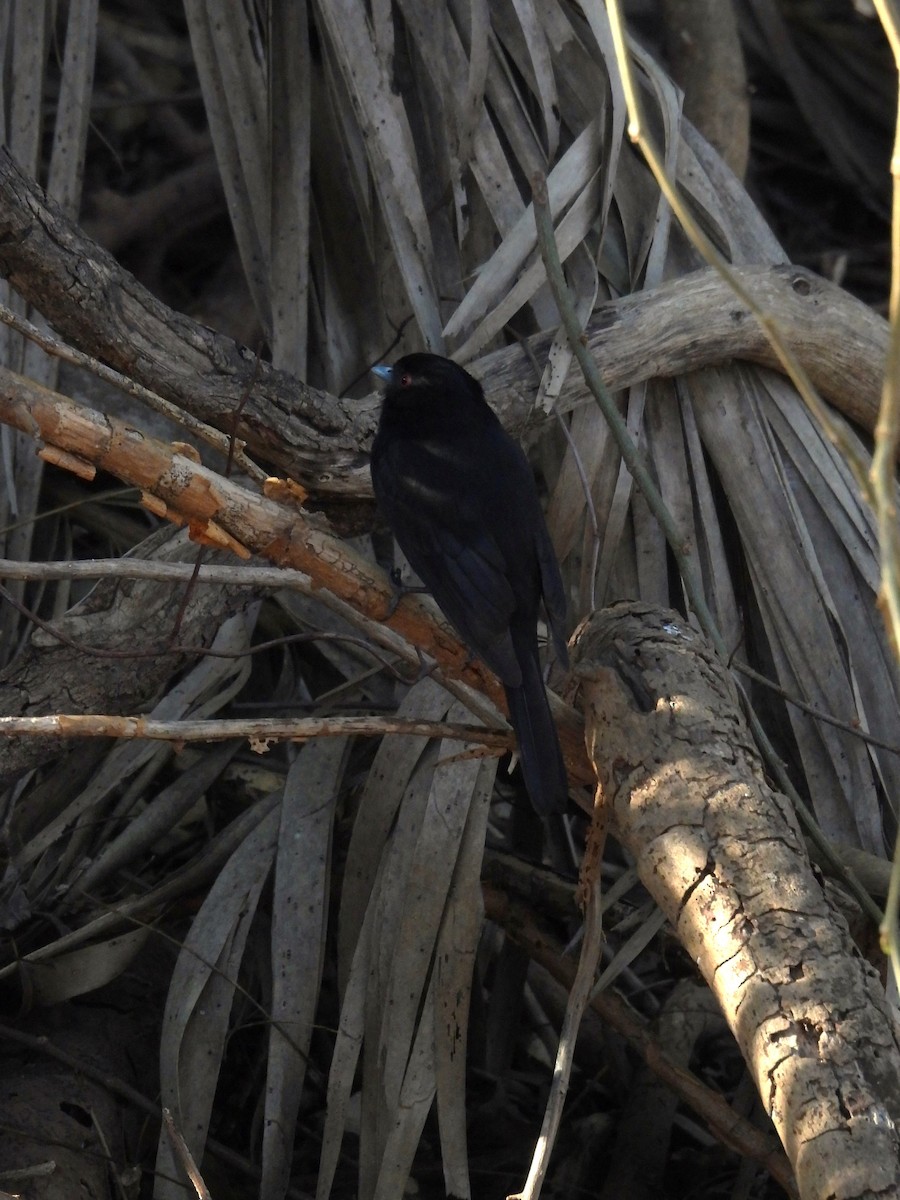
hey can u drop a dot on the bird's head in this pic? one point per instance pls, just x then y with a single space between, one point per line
417 377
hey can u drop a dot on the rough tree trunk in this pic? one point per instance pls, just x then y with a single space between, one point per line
722 854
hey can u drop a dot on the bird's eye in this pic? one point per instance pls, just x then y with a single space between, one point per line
406 379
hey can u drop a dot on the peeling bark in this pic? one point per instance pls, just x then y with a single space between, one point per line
722 854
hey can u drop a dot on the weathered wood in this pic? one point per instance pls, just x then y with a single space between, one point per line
721 853
323 441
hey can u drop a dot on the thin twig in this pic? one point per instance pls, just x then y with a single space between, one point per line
184 1156
853 729
887 436
590 506
262 576
259 730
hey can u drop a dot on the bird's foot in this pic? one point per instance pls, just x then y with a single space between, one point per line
427 666
399 589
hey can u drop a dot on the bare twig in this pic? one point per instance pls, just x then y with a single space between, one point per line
184 1156
259 731
883 477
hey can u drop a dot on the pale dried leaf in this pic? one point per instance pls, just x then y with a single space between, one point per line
391 159
289 104
413 1105
414 888
570 233
198 1008
161 814
542 68
179 883
710 543
796 614
83 970
73 106
299 922
569 177
449 69
454 968
470 107
395 766
29 30
228 56
206 688
344 1059
583 281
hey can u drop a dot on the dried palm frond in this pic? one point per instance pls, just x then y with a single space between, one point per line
375 165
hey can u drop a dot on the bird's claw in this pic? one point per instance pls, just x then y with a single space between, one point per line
426 667
399 590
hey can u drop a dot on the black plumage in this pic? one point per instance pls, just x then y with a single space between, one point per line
460 497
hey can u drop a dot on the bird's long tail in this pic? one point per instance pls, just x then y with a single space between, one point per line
539 749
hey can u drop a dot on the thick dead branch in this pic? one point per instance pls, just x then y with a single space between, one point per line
722 855
323 441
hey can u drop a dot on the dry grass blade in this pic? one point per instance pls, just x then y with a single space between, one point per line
512 275
73 108
454 968
134 909
228 52
375 160
392 770
161 815
415 882
84 970
27 28
196 1018
798 612
63 840
299 920
422 898
345 1056
290 117
543 82
31 29
391 159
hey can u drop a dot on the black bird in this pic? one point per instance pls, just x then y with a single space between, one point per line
460 497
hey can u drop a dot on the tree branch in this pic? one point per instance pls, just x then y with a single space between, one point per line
220 512
723 857
323 441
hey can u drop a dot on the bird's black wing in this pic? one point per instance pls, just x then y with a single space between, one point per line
442 531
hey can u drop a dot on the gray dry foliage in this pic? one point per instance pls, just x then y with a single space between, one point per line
375 163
